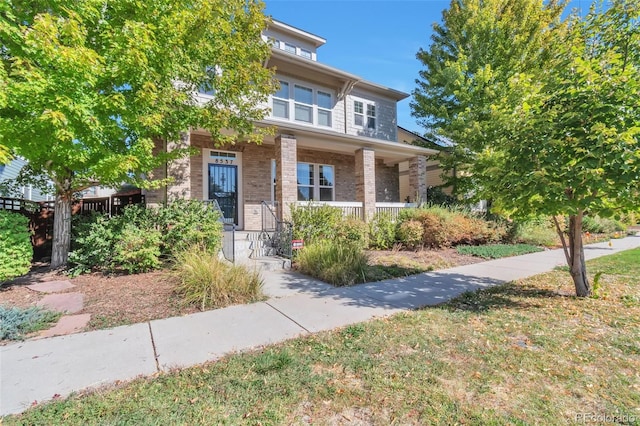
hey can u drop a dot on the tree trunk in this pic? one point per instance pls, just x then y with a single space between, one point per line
61 231
574 254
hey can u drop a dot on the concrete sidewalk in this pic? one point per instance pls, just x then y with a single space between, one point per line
40 370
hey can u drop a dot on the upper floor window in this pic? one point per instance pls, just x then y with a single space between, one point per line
281 101
358 111
324 109
308 106
288 47
371 116
305 53
303 97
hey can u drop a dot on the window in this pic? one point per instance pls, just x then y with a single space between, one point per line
281 101
315 182
358 110
371 116
305 53
324 109
303 97
288 47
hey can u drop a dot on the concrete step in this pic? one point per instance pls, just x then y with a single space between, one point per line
270 263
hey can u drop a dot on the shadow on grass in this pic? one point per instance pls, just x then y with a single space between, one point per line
506 296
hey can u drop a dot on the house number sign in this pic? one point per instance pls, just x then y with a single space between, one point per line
223 160
217 157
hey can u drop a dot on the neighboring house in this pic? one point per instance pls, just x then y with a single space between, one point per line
336 142
8 174
434 172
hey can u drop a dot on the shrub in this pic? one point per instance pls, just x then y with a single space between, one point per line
382 231
538 232
16 250
311 223
601 225
185 223
93 244
410 234
444 227
137 251
337 263
136 240
206 281
352 231
496 251
17 322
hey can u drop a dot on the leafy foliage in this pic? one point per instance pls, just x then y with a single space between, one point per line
96 85
17 322
536 231
314 222
496 251
137 240
137 251
382 231
185 223
16 251
445 227
544 113
599 225
208 282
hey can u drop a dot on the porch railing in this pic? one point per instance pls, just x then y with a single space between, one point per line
355 209
278 232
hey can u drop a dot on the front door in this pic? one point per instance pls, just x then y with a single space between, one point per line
223 187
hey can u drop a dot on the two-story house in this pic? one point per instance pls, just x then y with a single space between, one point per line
336 142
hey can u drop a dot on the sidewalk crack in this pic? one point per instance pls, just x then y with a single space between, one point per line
287 316
153 344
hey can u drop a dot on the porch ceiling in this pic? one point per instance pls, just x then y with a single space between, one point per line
326 140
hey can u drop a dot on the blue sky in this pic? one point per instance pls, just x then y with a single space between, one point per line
374 39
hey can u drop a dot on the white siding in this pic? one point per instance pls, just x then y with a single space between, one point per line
9 172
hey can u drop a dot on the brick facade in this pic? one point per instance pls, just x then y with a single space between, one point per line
286 174
418 178
256 182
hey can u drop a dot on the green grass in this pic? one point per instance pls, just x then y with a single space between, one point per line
496 251
520 353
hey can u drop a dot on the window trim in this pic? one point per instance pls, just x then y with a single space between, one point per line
315 185
315 109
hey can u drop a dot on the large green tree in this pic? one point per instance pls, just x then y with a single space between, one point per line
555 133
87 86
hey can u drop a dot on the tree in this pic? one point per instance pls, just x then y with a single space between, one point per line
87 86
559 135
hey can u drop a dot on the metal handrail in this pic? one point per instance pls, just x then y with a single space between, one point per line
281 229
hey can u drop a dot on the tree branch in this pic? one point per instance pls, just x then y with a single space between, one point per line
564 242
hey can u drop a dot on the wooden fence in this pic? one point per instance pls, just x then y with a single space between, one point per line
40 214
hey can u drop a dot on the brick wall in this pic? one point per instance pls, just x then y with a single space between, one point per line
387 183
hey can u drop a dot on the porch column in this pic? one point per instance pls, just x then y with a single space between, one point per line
418 178
180 170
366 181
286 174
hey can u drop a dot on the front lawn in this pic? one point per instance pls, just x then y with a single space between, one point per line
523 353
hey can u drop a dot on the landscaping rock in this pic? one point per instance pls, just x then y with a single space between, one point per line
51 286
67 324
65 302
